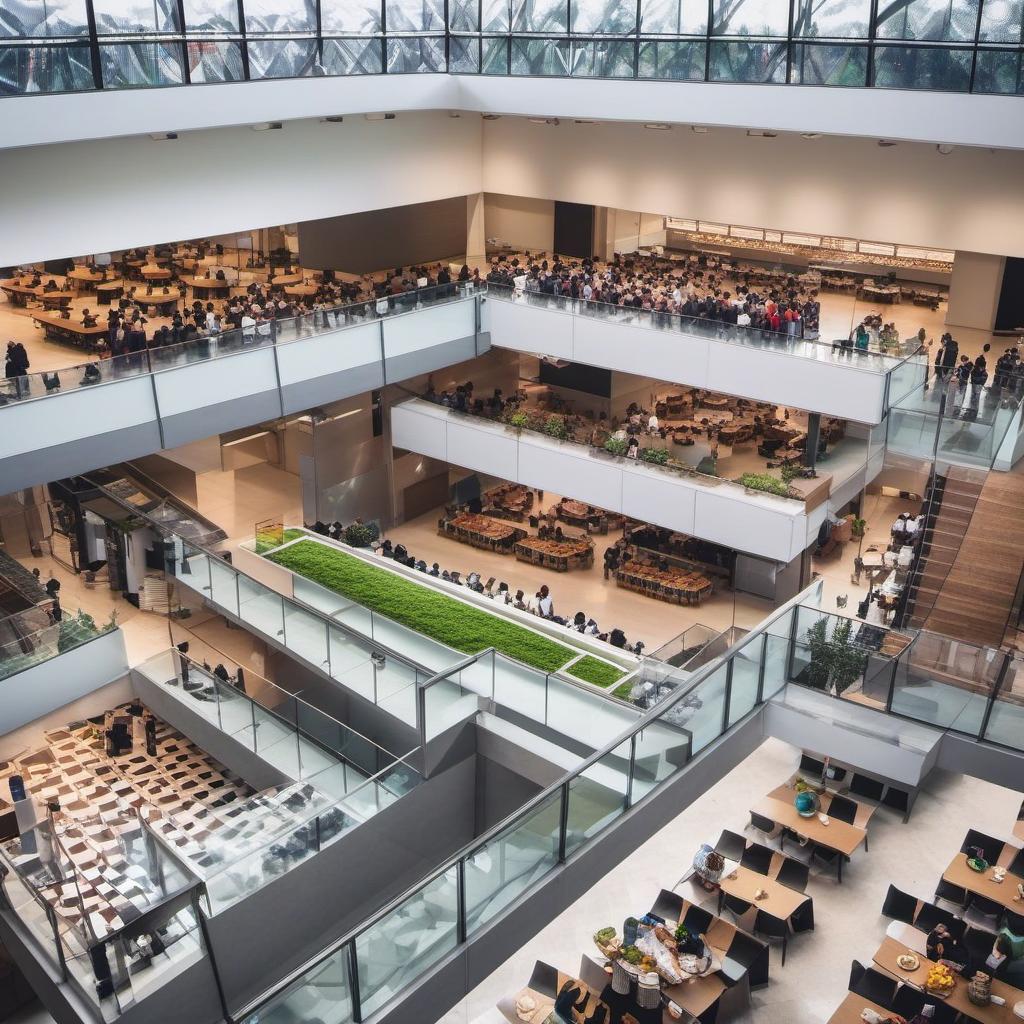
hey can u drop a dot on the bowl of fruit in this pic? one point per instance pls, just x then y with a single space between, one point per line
940 981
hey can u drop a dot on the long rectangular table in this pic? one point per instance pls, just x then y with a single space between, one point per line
981 883
848 1011
787 791
782 902
837 835
59 329
885 959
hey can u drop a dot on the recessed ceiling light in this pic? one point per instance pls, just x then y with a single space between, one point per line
760 133
810 135
544 120
454 113
266 126
700 129
657 127
581 121
333 119
886 144
945 148
379 117
163 136
490 117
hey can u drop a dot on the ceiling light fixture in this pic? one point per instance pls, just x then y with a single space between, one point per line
490 117
333 119
945 148
658 127
810 135
761 133
886 144
379 117
163 136
700 129
266 126
580 121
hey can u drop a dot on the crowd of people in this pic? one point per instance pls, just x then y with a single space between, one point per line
646 283
541 603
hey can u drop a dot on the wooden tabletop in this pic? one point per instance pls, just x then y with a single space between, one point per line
698 995
782 901
109 286
205 282
890 949
75 326
85 274
160 273
284 279
983 884
787 791
837 835
848 1011
301 290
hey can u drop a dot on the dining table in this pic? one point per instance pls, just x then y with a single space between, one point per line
886 960
781 901
787 791
849 1010
983 883
837 835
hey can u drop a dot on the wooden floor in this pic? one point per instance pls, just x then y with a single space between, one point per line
979 590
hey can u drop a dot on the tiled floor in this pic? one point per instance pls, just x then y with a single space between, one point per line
847 921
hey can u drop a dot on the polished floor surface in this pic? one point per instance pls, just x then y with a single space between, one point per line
848 924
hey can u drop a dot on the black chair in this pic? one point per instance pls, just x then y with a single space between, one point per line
811 766
951 893
544 979
733 904
1014 922
909 1002
842 809
898 800
983 913
698 920
731 845
872 984
990 846
773 928
900 906
978 944
745 956
800 847
865 786
794 874
668 906
758 858
760 823
1017 865
829 856
930 915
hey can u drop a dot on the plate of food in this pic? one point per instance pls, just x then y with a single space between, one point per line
908 962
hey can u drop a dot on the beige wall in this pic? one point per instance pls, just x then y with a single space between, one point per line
974 290
971 199
633 230
521 222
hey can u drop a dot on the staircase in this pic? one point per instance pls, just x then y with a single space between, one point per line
974 594
951 504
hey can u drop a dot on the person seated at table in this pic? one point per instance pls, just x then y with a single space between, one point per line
65 312
88 319
999 958
221 276
617 638
50 286
708 867
942 945
558 535
579 622
434 570
36 280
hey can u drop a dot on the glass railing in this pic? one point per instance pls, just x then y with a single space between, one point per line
564 707
967 427
207 347
579 441
378 962
715 330
975 48
49 882
32 636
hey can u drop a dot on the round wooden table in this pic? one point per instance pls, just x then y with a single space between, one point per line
301 291
154 273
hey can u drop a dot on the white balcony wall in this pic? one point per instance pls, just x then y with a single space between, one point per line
836 387
759 524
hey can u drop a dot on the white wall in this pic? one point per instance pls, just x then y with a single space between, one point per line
632 230
521 222
970 199
974 290
87 197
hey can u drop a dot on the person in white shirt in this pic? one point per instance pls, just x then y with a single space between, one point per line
743 319
545 606
652 423
248 329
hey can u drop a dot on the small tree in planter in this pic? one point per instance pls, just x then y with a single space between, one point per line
616 446
848 662
820 651
519 420
858 528
555 427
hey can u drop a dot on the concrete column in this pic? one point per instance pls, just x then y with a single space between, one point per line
604 232
813 433
476 234
974 290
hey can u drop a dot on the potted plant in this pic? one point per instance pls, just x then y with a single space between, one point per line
555 427
820 651
616 446
848 661
657 456
520 420
858 528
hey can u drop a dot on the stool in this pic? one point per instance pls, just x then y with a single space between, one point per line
648 992
620 978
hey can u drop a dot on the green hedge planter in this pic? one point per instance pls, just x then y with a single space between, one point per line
592 670
423 609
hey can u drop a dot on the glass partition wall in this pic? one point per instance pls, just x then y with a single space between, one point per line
74 45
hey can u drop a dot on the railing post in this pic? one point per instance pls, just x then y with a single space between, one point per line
728 697
892 684
563 822
353 982
631 771
460 913
995 693
760 668
51 916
